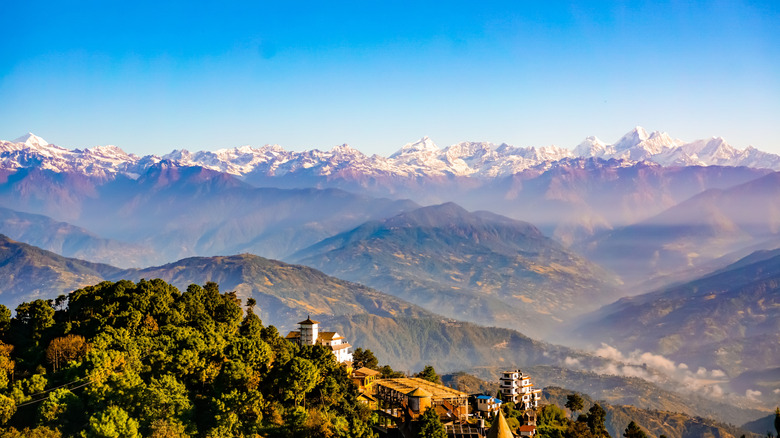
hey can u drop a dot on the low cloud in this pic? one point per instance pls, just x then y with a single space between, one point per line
659 369
753 395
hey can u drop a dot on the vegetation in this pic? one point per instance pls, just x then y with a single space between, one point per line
574 403
143 359
429 374
431 425
634 431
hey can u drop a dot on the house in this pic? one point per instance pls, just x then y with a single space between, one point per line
487 404
517 388
363 378
309 334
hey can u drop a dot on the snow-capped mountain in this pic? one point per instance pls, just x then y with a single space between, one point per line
659 147
420 159
31 151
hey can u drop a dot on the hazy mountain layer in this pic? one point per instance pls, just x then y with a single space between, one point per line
71 241
186 211
729 319
479 267
695 232
28 273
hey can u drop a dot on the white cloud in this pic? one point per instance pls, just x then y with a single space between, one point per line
571 362
753 395
657 368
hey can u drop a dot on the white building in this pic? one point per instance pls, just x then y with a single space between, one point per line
517 388
487 404
309 334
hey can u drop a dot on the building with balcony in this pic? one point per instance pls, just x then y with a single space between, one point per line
518 388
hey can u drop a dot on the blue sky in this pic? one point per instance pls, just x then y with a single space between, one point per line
152 77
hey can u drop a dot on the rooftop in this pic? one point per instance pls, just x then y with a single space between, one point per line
308 321
406 385
366 371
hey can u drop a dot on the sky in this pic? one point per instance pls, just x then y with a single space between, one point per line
151 77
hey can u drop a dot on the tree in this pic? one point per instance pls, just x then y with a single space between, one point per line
431 426
429 374
365 358
65 349
114 422
579 429
574 403
634 431
63 410
777 420
386 372
36 316
301 377
596 418
5 319
7 408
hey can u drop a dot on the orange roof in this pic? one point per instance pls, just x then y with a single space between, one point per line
419 392
365 371
330 336
339 347
293 335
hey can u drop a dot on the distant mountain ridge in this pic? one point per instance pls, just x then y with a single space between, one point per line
707 226
473 266
414 160
729 319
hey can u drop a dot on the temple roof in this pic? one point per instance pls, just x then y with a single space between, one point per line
308 321
500 429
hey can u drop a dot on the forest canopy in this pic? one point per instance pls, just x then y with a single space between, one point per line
144 359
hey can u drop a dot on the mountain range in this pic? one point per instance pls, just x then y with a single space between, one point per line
478 267
418 159
537 237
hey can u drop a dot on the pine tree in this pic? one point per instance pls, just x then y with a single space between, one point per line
431 426
574 403
634 431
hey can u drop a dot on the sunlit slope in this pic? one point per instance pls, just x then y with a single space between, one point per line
479 267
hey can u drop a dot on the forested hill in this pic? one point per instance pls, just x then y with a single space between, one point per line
144 359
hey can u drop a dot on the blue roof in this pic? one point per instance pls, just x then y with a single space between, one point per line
489 398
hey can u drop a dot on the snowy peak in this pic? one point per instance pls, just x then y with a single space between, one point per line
591 147
631 139
424 145
31 140
414 161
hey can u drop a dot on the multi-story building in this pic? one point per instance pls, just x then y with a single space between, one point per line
517 388
309 334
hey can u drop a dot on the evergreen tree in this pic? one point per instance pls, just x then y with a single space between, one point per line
365 358
574 403
431 426
596 418
777 420
634 431
429 374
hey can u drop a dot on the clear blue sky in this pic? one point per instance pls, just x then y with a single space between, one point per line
153 76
